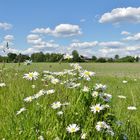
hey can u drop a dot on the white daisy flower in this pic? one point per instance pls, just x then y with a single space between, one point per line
56 105
67 56
73 128
31 76
85 89
21 110
60 113
101 125
131 108
96 108
54 81
27 62
121 96
83 136
100 87
28 99
51 91
2 84
124 81
33 86
40 138
94 93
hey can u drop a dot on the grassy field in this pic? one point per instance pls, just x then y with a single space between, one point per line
40 119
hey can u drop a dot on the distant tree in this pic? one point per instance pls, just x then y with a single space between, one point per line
127 59
110 60
137 59
38 57
75 55
12 57
101 60
116 57
94 58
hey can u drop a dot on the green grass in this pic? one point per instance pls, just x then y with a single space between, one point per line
41 119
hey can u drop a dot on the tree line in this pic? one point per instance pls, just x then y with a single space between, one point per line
57 57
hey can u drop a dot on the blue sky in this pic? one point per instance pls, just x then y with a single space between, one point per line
92 27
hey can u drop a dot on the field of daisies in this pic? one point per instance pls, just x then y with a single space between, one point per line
69 101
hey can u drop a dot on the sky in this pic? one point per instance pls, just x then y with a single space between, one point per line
92 27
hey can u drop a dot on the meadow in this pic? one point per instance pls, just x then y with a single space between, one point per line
41 119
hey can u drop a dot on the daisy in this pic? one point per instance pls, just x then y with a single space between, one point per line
131 108
28 99
95 94
31 76
124 81
56 105
96 108
54 81
50 91
40 138
100 87
85 89
83 136
68 56
27 62
73 128
2 84
21 110
101 125
60 113
121 97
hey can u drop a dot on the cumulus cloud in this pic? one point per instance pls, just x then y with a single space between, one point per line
135 37
125 33
111 44
61 30
9 38
129 14
84 44
5 26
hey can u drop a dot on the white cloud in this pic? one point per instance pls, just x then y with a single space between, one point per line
125 33
135 37
9 38
129 14
84 44
61 30
5 26
111 44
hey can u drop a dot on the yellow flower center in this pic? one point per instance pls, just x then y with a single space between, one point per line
72 129
97 108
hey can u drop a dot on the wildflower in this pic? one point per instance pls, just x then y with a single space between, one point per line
50 91
101 125
87 74
76 66
85 89
121 96
54 81
28 99
27 62
68 56
60 113
66 103
100 87
96 108
135 79
33 86
56 105
106 97
20 111
73 128
124 81
131 108
2 84
83 136
31 75
40 138
95 94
